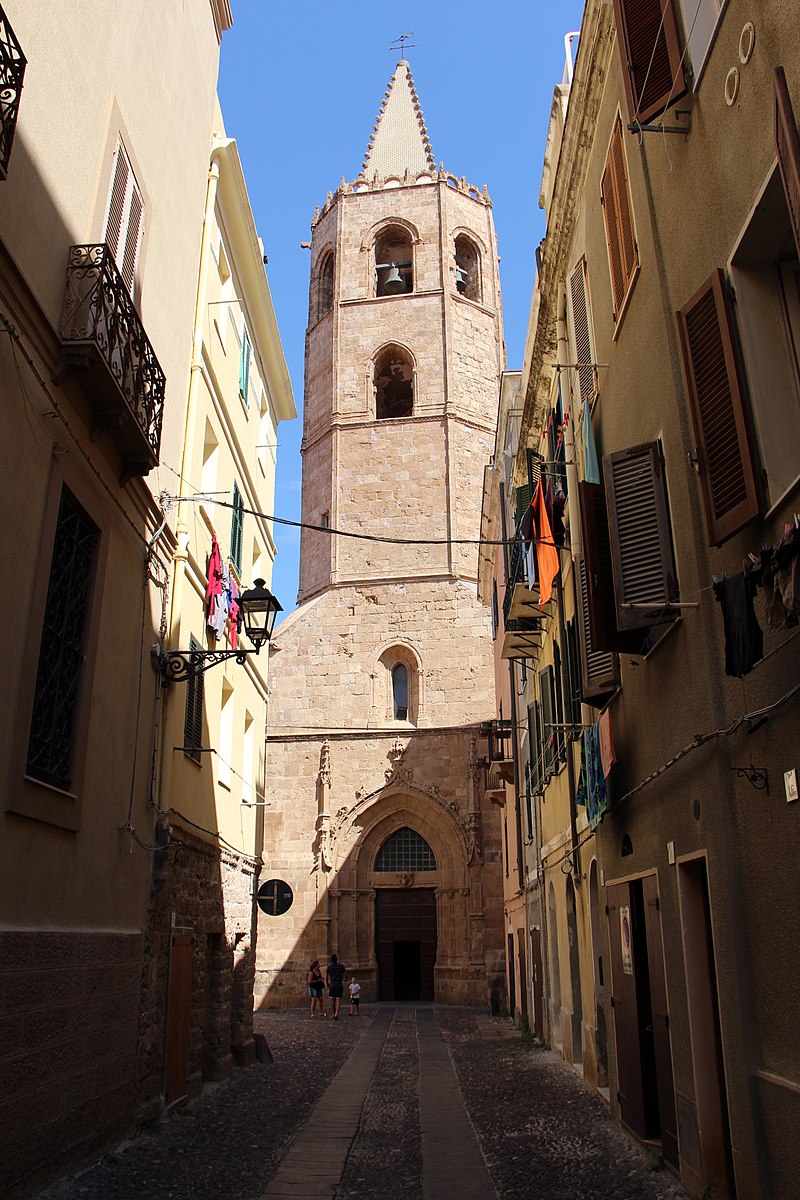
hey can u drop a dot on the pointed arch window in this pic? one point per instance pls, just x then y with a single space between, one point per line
468 268
405 850
394 384
394 262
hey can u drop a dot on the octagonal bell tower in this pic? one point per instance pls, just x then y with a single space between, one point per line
382 675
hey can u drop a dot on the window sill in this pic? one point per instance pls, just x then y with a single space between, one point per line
40 801
481 307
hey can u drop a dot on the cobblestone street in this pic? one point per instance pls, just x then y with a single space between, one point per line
273 1131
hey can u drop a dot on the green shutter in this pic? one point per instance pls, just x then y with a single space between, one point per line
535 765
237 524
244 367
193 718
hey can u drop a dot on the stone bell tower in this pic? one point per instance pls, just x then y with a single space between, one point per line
381 676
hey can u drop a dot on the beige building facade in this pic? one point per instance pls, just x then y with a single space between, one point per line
664 334
380 827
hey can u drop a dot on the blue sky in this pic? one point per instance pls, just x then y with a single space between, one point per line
300 87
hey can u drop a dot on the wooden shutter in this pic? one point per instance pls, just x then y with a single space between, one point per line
599 668
522 502
787 144
558 696
534 462
581 331
647 34
536 765
642 556
123 234
193 717
237 524
601 605
116 202
716 395
615 197
130 253
572 680
549 716
244 367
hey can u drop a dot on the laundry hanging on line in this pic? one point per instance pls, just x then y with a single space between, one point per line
592 793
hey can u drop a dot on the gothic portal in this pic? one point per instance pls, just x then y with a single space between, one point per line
380 678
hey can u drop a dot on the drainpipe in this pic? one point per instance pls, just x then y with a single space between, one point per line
182 527
512 678
576 547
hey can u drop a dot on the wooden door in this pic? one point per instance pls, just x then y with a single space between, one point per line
405 917
523 973
660 1020
536 976
625 1007
176 1070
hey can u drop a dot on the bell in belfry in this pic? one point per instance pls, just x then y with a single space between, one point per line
394 282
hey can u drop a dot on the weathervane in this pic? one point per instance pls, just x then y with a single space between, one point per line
402 40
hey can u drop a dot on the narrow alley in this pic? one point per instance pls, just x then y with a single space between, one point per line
416 1101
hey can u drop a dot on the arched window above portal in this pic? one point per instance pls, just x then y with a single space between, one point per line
468 268
325 285
393 381
405 850
397 697
394 262
400 691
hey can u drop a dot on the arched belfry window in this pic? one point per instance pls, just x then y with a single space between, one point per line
394 384
468 268
325 286
405 850
400 692
394 262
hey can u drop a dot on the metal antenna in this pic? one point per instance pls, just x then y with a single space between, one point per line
402 40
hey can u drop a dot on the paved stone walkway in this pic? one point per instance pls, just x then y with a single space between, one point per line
400 1103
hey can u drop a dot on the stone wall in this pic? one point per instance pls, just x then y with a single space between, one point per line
69 999
210 894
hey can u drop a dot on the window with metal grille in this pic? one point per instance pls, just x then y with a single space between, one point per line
193 717
62 649
405 850
244 366
124 221
615 198
237 528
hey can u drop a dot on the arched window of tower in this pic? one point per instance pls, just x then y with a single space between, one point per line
325 286
394 384
394 262
400 692
468 273
405 850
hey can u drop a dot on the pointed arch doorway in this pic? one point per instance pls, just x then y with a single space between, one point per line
405 918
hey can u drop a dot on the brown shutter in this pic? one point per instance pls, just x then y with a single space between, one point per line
615 197
580 326
132 235
725 459
601 606
599 668
116 204
647 33
787 144
641 539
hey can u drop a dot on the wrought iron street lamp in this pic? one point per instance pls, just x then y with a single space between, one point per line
259 609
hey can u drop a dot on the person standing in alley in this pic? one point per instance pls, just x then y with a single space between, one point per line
315 985
355 996
334 975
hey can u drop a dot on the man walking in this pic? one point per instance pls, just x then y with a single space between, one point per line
334 974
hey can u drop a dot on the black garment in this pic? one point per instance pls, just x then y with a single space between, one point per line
744 641
335 976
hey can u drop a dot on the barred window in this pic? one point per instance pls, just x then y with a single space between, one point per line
405 850
62 650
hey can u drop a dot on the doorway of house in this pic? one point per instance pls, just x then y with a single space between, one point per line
405 942
645 1087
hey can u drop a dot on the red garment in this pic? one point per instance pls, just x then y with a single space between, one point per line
607 755
546 552
233 616
214 582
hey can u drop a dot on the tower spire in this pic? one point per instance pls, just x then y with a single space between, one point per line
399 141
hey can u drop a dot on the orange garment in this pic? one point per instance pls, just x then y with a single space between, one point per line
546 552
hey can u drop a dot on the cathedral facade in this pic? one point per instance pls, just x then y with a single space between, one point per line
379 842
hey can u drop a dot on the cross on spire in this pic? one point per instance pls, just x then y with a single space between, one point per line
402 39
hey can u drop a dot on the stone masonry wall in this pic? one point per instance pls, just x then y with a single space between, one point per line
69 1001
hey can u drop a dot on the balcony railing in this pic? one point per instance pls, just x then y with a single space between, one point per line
102 334
12 72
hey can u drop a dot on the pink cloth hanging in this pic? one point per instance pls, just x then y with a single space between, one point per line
607 755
